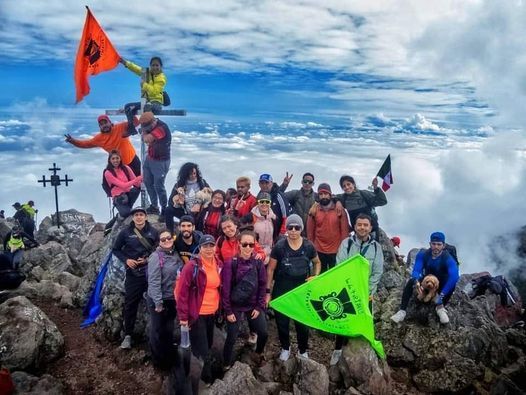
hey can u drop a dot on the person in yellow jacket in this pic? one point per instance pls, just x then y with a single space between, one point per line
29 222
153 81
14 245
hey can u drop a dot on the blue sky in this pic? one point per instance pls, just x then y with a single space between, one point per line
329 87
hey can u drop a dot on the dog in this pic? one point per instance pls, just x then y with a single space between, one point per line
428 288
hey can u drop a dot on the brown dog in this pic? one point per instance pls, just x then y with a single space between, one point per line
427 289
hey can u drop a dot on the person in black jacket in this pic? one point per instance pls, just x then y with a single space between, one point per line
132 246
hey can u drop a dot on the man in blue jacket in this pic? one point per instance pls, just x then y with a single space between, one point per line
438 262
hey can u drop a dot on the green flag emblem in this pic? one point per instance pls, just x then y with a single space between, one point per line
335 302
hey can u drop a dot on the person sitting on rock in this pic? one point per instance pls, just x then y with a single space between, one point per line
14 245
163 266
361 243
198 300
124 185
433 261
244 281
133 246
289 267
112 137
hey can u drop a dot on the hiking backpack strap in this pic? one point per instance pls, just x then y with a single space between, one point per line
146 244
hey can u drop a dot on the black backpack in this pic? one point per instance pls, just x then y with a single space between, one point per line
106 187
296 266
243 290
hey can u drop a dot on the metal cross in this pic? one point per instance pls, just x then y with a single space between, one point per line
55 181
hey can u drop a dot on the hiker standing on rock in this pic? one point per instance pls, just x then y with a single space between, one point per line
244 281
434 261
132 246
163 266
112 137
198 300
289 267
361 242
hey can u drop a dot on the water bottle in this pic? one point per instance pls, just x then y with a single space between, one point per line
185 336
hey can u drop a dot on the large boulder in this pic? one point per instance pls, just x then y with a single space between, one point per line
51 257
311 377
73 232
360 367
29 340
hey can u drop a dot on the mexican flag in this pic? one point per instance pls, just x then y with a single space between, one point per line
385 174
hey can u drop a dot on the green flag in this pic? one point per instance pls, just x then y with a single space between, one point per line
335 302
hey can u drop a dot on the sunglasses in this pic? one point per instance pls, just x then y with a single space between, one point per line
264 201
245 245
163 239
307 182
294 227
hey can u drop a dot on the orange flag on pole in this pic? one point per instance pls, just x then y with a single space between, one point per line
95 55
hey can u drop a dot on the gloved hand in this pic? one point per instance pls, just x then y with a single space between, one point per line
439 299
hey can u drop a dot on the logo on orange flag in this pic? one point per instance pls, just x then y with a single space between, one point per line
95 55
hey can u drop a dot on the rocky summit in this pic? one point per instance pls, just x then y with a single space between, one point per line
480 351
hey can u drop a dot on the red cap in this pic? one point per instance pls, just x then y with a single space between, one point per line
396 241
103 116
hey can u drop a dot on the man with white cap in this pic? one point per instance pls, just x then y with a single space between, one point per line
289 267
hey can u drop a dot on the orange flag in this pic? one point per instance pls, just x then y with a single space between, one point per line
95 55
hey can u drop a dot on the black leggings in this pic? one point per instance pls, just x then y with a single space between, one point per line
161 332
257 325
302 333
201 340
328 261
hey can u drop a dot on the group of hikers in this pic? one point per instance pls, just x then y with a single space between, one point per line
230 252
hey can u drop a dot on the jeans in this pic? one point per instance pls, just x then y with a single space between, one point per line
124 205
154 175
134 288
257 325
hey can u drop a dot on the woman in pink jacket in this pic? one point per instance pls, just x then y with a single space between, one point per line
125 186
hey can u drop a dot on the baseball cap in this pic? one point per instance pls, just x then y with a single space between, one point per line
263 196
437 237
396 241
103 116
207 239
137 209
187 218
266 177
324 187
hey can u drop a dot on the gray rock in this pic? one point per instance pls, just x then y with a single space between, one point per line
28 339
311 377
360 367
51 257
68 280
47 289
73 232
238 380
43 385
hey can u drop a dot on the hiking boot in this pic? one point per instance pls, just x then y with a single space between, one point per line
284 355
252 338
126 343
335 357
152 210
303 355
399 316
442 314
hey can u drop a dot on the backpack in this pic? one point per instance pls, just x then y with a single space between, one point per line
362 253
243 290
106 187
452 250
193 284
297 266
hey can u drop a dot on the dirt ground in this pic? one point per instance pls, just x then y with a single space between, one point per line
93 365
